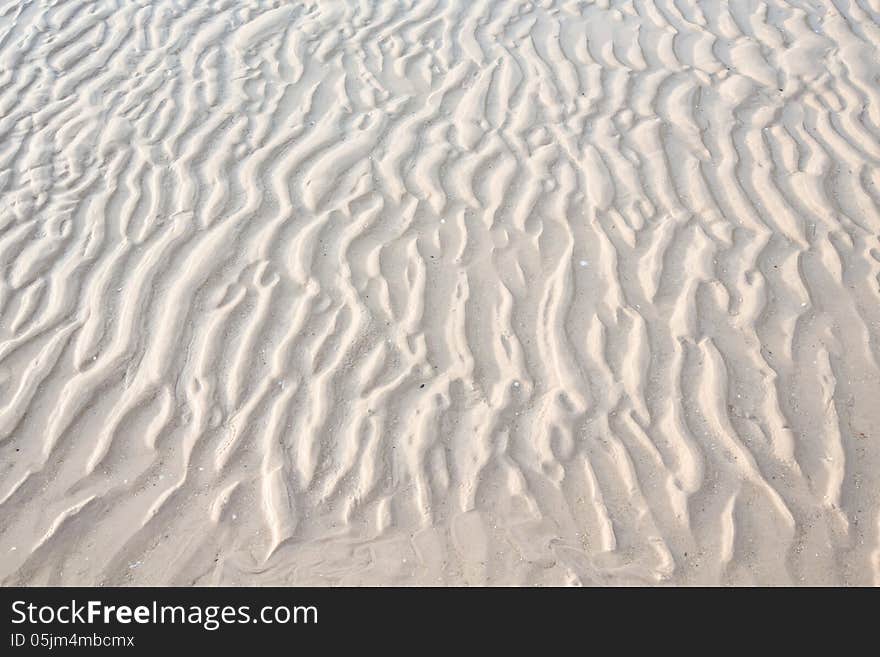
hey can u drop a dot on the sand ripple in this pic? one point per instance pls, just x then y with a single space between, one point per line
439 292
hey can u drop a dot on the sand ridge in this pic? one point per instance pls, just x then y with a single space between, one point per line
439 292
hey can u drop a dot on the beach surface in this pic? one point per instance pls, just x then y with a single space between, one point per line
440 292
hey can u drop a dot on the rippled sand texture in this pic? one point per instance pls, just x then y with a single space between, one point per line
440 292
